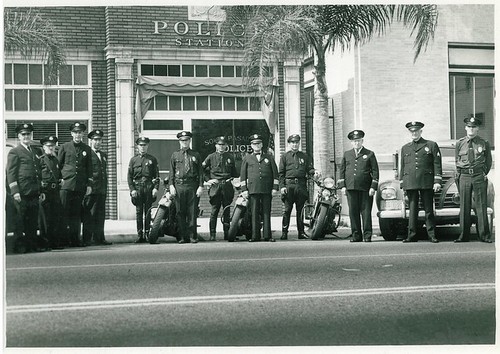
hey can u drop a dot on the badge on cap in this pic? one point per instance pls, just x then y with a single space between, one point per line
355 132
51 138
413 123
472 120
25 125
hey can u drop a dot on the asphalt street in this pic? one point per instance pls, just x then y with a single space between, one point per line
287 293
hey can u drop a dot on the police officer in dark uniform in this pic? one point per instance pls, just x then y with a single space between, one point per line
219 168
420 177
294 168
51 184
359 180
259 179
186 185
94 204
75 163
24 180
143 181
473 160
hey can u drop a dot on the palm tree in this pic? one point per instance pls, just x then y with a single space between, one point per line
34 37
278 33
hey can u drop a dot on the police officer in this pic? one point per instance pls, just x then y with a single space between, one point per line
75 164
23 179
473 160
95 203
143 181
294 168
420 177
51 183
259 179
359 180
186 185
219 168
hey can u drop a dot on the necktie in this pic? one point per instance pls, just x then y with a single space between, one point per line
295 159
186 161
470 154
258 157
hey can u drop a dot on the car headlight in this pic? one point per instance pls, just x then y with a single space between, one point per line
328 182
325 193
388 193
453 192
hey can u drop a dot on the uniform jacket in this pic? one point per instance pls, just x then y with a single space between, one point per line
482 154
294 165
75 166
99 173
220 166
420 165
23 172
178 166
51 175
259 177
143 166
359 173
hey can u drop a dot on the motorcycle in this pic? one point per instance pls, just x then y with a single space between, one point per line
322 216
241 219
163 216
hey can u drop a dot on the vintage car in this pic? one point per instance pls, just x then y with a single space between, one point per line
392 202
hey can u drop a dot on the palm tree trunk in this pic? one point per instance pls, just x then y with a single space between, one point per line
321 126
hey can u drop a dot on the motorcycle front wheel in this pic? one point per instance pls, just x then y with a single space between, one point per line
157 226
235 224
319 224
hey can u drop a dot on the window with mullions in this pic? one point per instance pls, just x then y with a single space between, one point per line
191 70
26 89
472 84
204 103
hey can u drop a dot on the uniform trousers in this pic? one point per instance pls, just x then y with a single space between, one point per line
223 194
427 196
93 218
27 220
478 184
261 204
144 201
52 208
186 204
71 215
360 207
295 194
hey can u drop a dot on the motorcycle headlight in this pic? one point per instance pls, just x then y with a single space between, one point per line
325 193
388 193
328 182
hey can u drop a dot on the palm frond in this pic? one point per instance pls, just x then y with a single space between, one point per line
33 37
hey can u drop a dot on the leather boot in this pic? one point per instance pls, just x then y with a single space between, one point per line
226 231
284 235
212 235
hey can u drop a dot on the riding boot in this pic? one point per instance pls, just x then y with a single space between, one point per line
212 235
284 235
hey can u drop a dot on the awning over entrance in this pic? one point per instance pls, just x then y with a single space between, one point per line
150 86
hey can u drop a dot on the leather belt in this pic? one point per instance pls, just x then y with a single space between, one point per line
49 185
471 171
143 180
295 180
185 180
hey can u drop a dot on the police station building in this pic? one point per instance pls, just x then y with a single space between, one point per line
156 70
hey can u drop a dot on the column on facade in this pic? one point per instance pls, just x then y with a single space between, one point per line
292 97
124 83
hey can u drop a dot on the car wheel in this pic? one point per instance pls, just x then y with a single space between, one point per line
390 228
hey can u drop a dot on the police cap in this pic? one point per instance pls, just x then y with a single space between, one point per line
356 134
77 127
184 135
255 138
221 140
472 121
48 140
95 133
143 140
293 137
24 127
412 126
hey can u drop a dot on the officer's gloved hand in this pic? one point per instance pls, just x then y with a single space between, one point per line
317 175
371 192
17 197
283 190
436 187
344 190
244 194
154 192
133 193
212 181
199 191
172 191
